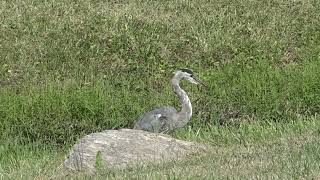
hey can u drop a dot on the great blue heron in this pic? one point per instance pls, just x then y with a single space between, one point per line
167 118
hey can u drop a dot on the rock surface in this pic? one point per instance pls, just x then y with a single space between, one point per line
119 149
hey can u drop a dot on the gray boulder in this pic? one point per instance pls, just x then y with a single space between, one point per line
119 149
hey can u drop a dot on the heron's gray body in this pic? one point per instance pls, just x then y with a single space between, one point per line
158 120
167 118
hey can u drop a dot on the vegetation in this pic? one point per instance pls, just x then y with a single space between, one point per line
69 68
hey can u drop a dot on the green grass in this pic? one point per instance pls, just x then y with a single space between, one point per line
275 150
71 68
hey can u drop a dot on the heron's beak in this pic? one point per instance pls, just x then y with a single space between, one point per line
199 81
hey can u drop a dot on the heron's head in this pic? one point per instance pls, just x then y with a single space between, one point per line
188 75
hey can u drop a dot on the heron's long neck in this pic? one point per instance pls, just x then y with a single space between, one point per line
186 111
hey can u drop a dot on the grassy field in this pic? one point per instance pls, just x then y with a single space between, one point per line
69 68
280 151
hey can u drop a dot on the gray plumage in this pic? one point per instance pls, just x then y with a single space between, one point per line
167 118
